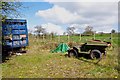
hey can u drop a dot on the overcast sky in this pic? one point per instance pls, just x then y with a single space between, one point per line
57 16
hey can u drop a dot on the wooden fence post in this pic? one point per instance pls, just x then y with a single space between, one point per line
80 37
68 38
94 36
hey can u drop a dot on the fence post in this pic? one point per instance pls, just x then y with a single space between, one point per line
94 36
58 38
80 37
43 37
68 38
111 37
51 37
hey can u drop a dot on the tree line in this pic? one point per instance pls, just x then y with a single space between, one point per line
39 30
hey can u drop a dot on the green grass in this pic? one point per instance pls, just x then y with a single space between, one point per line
38 62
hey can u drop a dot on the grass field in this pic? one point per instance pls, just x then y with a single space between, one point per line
39 62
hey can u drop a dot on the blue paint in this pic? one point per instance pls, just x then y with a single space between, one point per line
15 33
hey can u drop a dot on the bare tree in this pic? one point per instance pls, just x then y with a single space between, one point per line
52 34
88 30
71 30
40 30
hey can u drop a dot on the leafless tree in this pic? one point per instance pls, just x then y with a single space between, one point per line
89 30
71 30
40 30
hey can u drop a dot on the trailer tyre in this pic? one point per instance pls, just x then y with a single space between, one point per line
95 54
72 53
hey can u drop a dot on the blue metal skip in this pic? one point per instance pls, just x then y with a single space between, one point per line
15 33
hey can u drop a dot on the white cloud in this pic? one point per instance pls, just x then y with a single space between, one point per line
50 27
81 0
91 10
96 14
58 15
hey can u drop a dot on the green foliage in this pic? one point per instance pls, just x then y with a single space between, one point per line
113 31
10 9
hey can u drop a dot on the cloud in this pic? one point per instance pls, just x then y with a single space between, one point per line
91 11
81 0
50 27
58 15
102 16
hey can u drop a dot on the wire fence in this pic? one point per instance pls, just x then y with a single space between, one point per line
75 38
51 42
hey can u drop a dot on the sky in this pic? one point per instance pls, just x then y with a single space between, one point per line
57 16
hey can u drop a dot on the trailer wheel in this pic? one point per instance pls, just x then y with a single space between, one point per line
72 53
95 54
